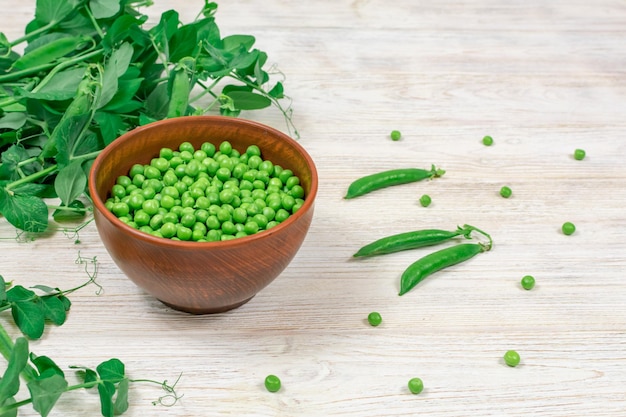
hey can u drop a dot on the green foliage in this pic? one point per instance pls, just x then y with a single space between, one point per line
31 310
90 71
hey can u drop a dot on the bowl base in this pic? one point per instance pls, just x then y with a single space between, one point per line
199 311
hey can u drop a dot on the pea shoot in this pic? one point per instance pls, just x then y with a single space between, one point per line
506 192
511 358
94 77
416 385
395 135
487 141
374 318
528 282
425 200
272 383
579 154
568 228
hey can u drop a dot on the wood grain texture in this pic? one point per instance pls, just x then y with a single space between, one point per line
542 78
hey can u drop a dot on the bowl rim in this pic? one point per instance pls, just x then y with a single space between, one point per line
222 244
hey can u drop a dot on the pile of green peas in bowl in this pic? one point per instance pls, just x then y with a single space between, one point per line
209 194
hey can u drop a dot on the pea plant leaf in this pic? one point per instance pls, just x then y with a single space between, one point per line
53 309
246 100
106 391
10 382
29 317
45 366
102 9
45 392
115 67
13 120
112 370
70 182
61 86
121 399
54 11
28 213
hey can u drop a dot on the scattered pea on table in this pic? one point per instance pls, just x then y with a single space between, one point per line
272 383
511 358
528 282
579 154
506 192
487 141
416 385
568 228
395 135
374 318
425 200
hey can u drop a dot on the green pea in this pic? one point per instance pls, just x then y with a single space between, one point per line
506 192
183 233
272 383
223 174
511 358
156 221
288 202
374 318
281 215
528 282
141 218
121 209
151 207
166 153
284 175
213 223
254 161
253 150
269 213
296 191
188 219
209 148
395 135
197 235
487 141
425 200
148 193
200 155
135 202
260 220
213 235
240 215
124 181
226 196
202 215
186 146
170 217
416 385
568 228
138 180
136 169
579 154
228 228
251 228
226 148
118 191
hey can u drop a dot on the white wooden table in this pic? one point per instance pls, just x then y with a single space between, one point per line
542 78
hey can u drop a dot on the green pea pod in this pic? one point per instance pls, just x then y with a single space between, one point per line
437 261
180 87
411 240
50 52
389 178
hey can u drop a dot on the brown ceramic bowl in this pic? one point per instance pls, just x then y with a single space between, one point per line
201 277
